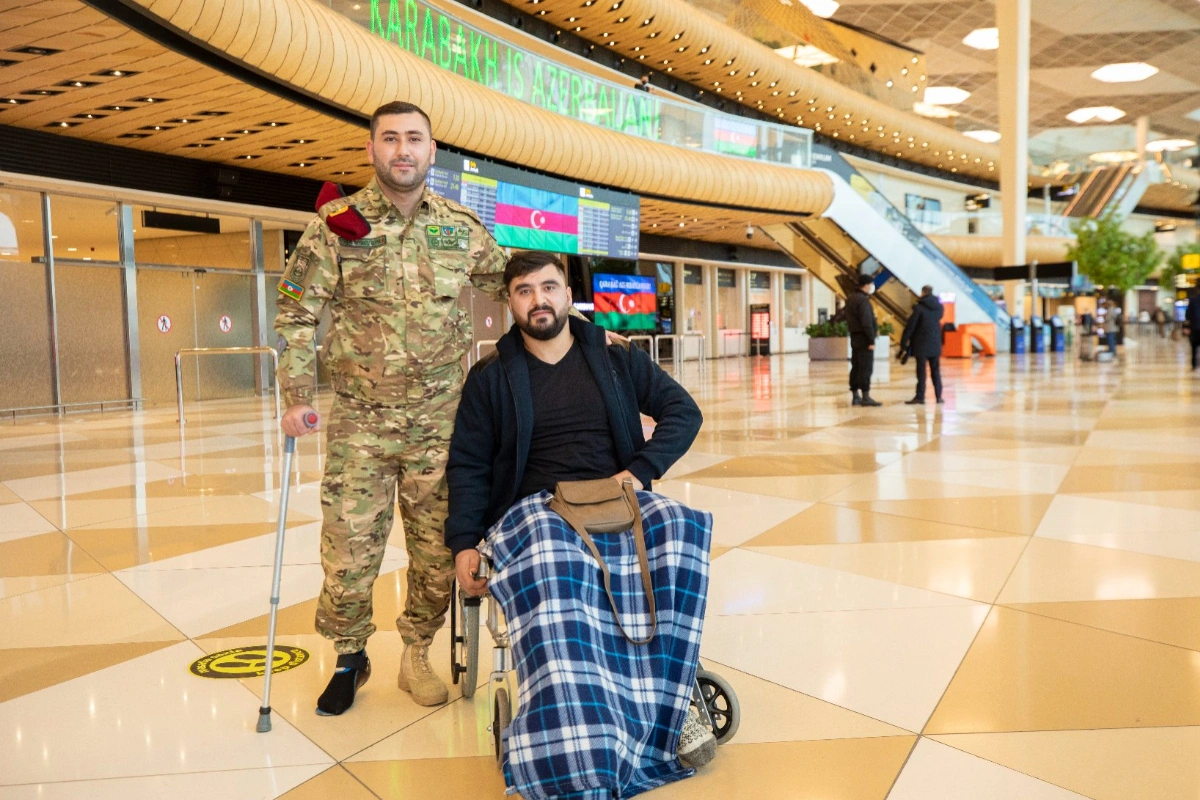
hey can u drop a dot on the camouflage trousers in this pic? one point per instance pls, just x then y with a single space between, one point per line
373 454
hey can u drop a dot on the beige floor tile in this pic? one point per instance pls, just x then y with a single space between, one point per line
9 587
966 444
777 466
8 495
910 487
1013 514
838 769
1171 620
45 554
1185 499
431 778
1095 455
121 548
96 610
832 524
1027 672
28 669
938 772
1053 571
20 520
1128 764
812 488
971 568
1129 478
335 782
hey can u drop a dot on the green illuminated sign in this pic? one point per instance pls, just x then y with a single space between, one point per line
442 40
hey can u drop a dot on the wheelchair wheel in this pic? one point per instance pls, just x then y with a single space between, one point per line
501 717
721 702
469 636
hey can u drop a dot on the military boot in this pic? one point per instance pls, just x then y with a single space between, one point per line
417 678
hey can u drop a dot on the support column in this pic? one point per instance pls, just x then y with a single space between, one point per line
1142 133
262 379
51 301
133 347
1012 18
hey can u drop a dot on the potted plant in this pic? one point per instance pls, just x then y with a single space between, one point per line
883 342
828 341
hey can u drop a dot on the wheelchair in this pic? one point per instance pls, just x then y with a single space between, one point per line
712 695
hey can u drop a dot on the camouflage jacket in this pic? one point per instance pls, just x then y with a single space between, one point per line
393 296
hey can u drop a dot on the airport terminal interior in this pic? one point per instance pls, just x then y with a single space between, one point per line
991 594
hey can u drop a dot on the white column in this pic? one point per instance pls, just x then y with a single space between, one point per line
1012 18
1142 134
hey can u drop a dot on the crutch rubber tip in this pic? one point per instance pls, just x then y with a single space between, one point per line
264 720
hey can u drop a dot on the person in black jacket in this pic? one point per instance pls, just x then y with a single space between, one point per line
1192 317
860 319
554 402
922 340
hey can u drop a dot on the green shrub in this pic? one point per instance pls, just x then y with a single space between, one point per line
886 329
827 330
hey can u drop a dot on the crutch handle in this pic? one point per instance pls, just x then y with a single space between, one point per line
311 419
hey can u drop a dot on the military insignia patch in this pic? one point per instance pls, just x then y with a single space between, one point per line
449 237
374 241
463 243
290 289
433 230
447 230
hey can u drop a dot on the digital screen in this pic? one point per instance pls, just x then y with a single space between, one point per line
534 212
625 302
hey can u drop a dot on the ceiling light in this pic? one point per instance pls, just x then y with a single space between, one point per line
1102 113
805 55
1125 73
822 8
1113 156
945 95
1169 144
983 38
936 112
987 137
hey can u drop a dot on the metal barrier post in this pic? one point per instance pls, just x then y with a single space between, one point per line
479 351
700 355
650 339
201 351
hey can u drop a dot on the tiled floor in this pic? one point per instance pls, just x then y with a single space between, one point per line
995 598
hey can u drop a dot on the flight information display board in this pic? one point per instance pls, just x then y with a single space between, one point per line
534 212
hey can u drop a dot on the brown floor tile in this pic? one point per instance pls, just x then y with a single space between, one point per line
801 487
772 466
833 769
431 778
1129 478
1027 672
1168 620
120 548
29 669
334 782
45 554
1125 764
836 524
1019 514
8 495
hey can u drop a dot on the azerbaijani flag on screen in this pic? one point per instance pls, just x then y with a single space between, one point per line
534 219
625 302
735 138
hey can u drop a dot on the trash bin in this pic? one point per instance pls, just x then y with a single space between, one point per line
1017 345
1037 332
1058 335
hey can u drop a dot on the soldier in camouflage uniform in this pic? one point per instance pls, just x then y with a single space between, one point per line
389 262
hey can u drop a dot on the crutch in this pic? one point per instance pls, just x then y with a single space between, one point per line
289 449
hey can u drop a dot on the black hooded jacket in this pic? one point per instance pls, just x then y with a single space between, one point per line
923 334
494 426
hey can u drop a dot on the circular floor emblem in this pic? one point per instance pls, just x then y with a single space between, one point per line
247 662
225 324
164 324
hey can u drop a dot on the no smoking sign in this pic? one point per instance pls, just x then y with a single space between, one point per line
225 323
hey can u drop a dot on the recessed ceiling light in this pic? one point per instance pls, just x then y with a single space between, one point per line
114 73
301 141
273 124
199 144
300 164
61 124
7 62
987 137
43 92
1113 156
1169 144
945 95
936 112
14 101
248 157
156 127
822 8
1125 73
1102 113
35 51
278 147
115 108
150 99
77 84
88 116
983 38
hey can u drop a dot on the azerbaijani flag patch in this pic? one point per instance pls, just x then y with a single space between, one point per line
289 289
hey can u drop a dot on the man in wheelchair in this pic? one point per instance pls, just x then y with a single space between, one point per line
604 677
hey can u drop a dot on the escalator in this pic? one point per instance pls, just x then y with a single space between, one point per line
861 232
1114 189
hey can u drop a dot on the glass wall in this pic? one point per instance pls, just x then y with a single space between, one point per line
794 312
93 364
25 370
84 230
171 237
692 319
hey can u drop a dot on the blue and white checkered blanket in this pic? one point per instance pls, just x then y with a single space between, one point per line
598 717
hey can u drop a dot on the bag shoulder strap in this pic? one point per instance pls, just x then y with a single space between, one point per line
639 543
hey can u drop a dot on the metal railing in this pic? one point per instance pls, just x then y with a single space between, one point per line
700 354
216 351
474 357
63 408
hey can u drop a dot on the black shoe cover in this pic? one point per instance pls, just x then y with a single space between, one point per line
352 671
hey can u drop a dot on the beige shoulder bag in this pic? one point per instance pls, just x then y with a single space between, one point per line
606 506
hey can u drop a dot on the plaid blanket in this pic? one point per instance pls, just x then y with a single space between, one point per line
598 717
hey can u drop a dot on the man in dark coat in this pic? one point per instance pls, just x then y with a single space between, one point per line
860 319
922 340
1192 317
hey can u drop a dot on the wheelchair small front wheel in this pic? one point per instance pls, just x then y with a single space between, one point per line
470 640
501 717
721 702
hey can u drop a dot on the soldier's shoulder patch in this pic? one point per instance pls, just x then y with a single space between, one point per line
290 289
302 264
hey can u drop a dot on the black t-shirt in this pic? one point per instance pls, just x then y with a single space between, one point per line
571 438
